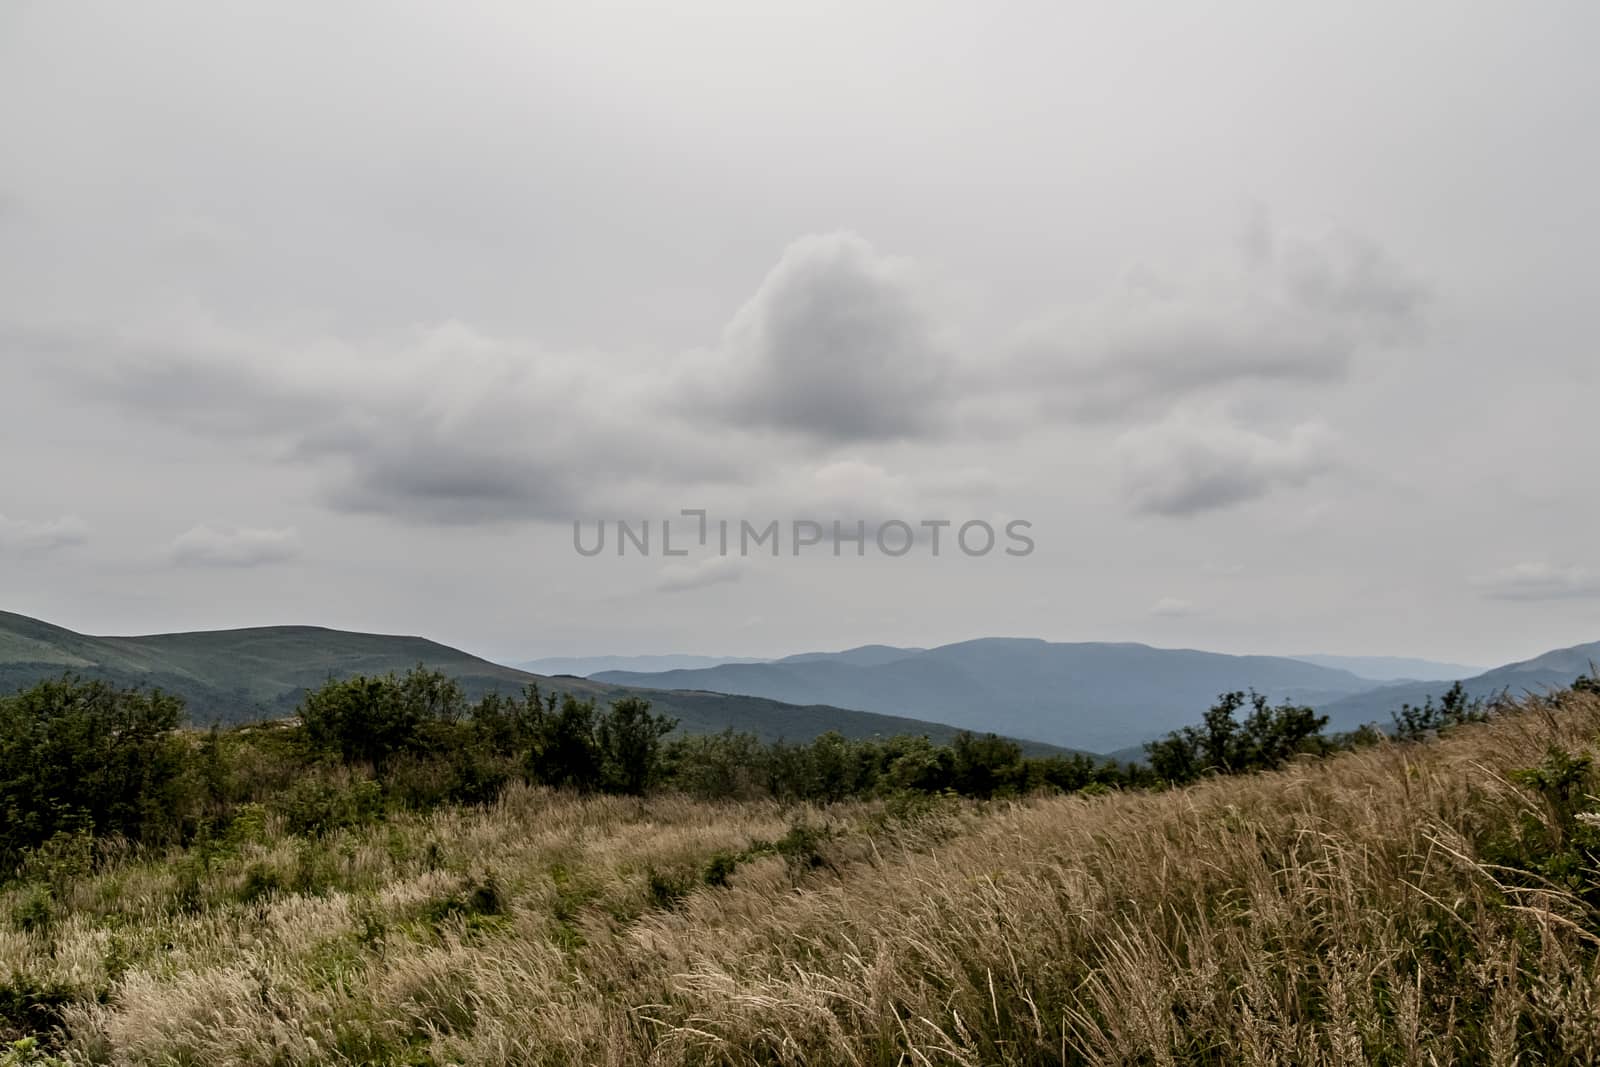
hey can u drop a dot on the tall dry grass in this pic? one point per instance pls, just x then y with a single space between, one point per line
1358 910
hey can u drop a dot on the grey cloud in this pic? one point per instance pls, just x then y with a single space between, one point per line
1296 311
1539 581
836 344
440 425
448 425
224 546
1190 465
1172 608
42 535
838 348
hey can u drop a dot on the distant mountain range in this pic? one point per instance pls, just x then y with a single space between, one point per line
1374 668
1104 697
243 675
1095 697
584 666
1553 670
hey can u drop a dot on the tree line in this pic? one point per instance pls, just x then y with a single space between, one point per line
81 760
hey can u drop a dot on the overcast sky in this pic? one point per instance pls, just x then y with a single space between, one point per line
1276 322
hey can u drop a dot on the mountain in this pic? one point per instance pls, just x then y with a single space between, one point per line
583 666
864 656
1553 670
1393 668
1090 695
242 675
587 666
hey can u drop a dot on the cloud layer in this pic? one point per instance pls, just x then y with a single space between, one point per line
835 361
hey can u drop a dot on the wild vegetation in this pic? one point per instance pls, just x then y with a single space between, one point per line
401 877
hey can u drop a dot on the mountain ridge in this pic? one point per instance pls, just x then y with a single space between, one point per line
1108 695
260 672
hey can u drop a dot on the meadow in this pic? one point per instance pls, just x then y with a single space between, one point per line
1412 902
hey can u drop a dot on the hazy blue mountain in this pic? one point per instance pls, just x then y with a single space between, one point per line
863 656
1553 670
584 666
1393 668
1092 695
241 675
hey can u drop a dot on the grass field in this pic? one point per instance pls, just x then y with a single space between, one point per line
1406 904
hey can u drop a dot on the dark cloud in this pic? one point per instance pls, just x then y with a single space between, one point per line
439 425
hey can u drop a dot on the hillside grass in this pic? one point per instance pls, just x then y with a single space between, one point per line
1402 903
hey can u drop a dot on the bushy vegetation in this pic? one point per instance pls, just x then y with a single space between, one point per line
87 756
86 759
405 877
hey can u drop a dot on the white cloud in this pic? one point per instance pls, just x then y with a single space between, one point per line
28 535
222 546
1192 464
837 344
716 570
1539 581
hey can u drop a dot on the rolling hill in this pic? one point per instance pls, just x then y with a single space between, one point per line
1089 695
1552 670
241 675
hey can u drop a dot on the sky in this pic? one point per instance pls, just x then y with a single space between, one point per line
1272 327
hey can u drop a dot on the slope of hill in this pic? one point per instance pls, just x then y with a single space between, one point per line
240 675
1395 668
1552 670
1092 695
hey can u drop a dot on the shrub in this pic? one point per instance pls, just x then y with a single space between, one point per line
1223 744
565 751
78 755
629 741
370 721
1453 709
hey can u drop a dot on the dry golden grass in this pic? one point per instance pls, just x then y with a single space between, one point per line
1341 912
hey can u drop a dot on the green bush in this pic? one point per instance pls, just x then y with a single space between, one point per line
87 756
1453 709
1266 738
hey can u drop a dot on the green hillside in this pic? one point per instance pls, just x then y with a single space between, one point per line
232 676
